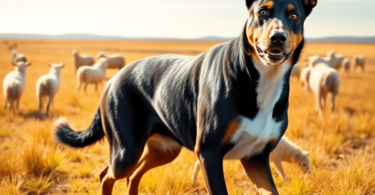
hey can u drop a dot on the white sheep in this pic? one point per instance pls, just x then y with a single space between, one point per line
92 74
359 61
285 151
304 79
345 67
81 60
334 60
296 71
13 85
323 80
48 85
114 60
18 57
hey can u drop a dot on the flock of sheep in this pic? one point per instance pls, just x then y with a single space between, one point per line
321 76
87 72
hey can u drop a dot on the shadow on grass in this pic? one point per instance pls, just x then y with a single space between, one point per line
34 115
350 111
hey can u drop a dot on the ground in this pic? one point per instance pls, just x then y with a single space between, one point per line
341 144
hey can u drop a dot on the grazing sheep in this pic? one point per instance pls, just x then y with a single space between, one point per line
359 61
18 57
92 74
285 151
114 61
323 80
345 66
13 85
48 85
304 79
81 60
296 71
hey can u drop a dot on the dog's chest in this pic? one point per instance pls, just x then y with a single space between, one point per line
254 134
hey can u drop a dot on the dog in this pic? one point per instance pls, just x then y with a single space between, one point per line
229 102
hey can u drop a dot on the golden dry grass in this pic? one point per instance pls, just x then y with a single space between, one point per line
341 144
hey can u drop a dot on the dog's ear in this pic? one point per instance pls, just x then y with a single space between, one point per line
308 5
249 3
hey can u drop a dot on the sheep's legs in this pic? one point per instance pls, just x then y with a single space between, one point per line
96 87
318 103
333 102
18 103
280 168
6 104
40 105
85 87
323 99
50 100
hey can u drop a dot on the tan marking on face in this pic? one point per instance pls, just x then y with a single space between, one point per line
230 131
253 35
290 8
269 4
295 39
313 3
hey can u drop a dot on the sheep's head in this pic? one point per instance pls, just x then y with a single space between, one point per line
331 54
304 162
74 53
103 62
100 55
56 68
314 60
21 66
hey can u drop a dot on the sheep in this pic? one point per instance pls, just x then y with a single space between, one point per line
333 60
92 74
296 71
345 66
359 61
17 57
304 79
13 85
114 61
285 151
48 85
323 79
81 60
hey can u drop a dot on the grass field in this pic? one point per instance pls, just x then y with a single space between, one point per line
341 144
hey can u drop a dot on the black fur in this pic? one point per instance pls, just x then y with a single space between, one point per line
78 139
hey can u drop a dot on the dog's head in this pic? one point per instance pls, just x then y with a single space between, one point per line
275 27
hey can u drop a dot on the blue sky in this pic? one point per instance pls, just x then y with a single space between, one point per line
171 18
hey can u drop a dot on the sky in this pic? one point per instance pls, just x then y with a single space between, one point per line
171 18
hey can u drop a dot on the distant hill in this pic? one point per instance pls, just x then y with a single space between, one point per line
343 39
208 38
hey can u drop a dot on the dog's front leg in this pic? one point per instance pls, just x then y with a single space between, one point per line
259 172
212 167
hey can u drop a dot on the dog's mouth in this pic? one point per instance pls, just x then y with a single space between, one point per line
273 56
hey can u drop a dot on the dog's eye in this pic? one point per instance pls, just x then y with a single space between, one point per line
263 12
294 16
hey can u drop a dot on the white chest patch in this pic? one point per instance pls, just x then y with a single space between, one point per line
254 134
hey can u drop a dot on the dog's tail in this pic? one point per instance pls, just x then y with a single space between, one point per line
78 139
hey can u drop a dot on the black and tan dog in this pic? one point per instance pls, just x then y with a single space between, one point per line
230 102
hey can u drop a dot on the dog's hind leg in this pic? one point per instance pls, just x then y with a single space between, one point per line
153 156
127 124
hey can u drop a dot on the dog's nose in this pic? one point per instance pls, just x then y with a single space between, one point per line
278 37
